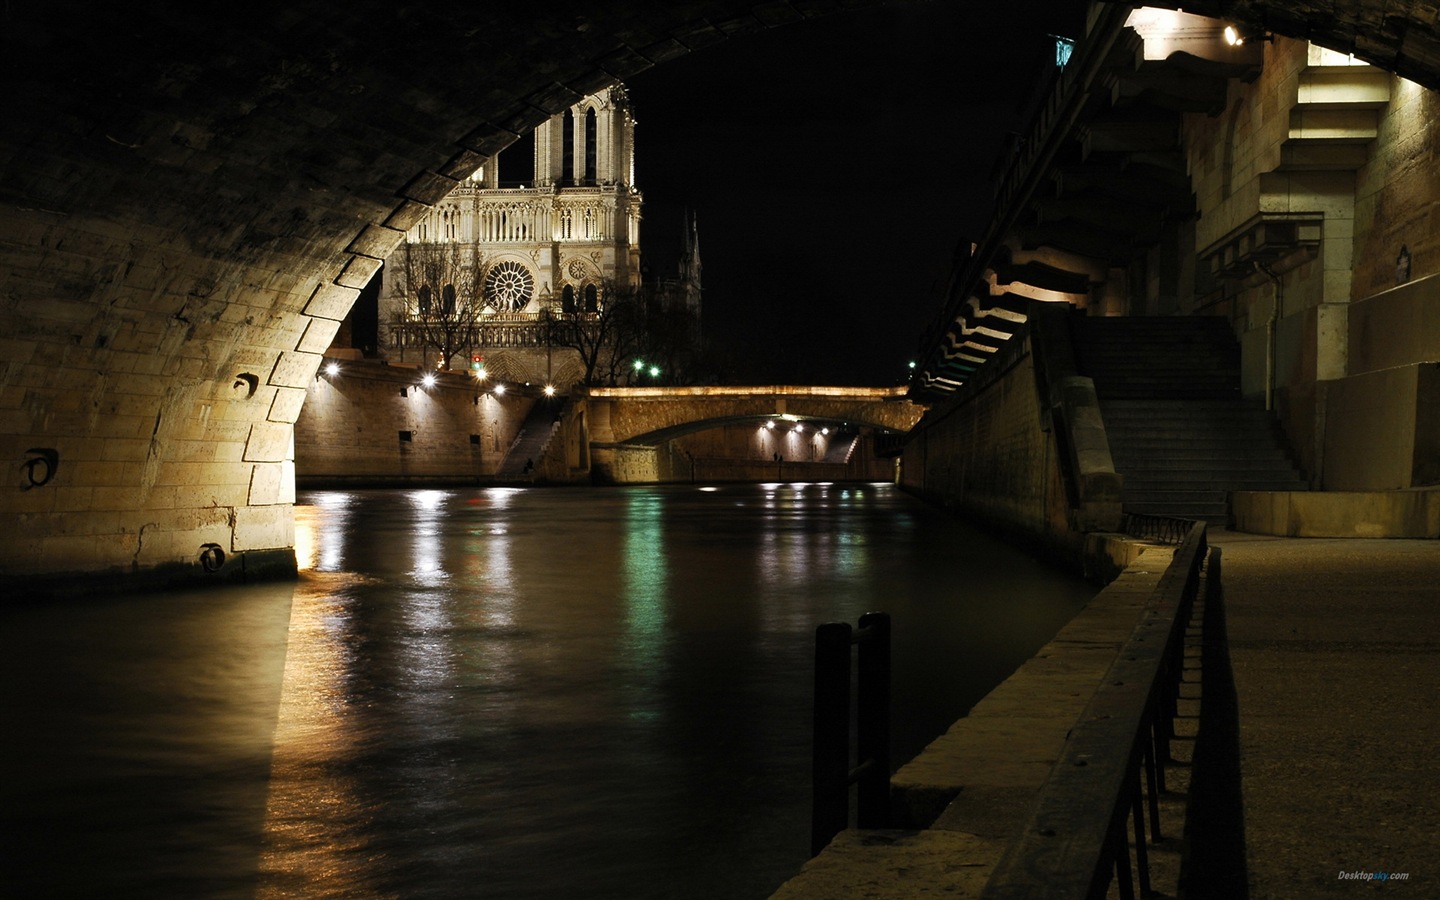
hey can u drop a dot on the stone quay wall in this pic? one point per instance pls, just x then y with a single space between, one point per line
379 424
991 453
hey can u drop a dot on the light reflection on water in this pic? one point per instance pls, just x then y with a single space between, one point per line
502 693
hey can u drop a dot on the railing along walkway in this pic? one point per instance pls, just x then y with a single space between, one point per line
1110 771
966 805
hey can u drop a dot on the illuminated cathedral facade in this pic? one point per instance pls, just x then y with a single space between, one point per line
548 227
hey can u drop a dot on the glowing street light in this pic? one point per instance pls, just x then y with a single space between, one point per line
499 390
654 371
428 380
549 390
332 369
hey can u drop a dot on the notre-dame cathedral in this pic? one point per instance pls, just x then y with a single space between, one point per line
549 227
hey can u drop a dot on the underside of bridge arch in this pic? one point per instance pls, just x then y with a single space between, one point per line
191 198
754 448
664 435
811 423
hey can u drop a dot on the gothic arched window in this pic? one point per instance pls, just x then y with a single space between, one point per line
591 144
567 299
447 299
567 143
422 299
592 299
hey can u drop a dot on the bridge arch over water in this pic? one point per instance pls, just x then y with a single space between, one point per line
644 416
636 434
192 198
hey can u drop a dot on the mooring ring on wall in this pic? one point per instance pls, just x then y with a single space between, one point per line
41 466
248 381
211 557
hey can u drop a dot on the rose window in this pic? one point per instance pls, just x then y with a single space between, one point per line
509 286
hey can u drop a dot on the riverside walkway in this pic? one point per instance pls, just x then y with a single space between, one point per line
1335 650
1315 774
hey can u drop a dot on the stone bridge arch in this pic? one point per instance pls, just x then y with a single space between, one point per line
636 435
651 416
192 197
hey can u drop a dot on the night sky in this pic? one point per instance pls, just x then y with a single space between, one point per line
835 166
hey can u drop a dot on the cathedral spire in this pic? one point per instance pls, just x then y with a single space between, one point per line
690 254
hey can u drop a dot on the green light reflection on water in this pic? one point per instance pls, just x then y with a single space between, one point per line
645 581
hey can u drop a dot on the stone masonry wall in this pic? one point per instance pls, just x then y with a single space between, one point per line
378 424
989 455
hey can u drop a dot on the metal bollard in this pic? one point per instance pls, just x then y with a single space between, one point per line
830 757
831 775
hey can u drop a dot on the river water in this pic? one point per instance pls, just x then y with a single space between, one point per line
502 692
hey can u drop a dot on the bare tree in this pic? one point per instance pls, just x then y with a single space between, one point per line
669 339
606 332
442 298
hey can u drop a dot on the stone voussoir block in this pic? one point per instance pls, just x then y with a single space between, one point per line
295 369
318 336
429 188
263 528
359 270
269 442
331 301
404 217
287 405
266 484
376 241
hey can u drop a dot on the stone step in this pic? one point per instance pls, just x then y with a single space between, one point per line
1164 434
1230 480
1189 391
1141 485
1211 472
1180 433
1213 512
1180 417
1228 418
1142 348
1155 377
1158 323
1135 447
1174 498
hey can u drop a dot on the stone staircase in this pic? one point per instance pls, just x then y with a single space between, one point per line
842 447
530 443
1179 431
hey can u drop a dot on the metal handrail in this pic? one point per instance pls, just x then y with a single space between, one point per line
1074 842
1161 529
831 773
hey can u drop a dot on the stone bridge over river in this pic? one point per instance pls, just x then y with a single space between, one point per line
645 416
629 433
